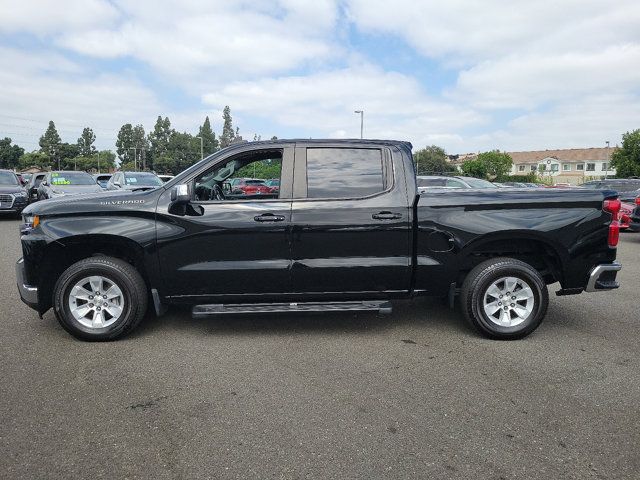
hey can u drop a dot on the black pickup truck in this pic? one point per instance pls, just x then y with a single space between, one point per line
346 230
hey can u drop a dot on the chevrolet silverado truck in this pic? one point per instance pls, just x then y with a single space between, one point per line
348 230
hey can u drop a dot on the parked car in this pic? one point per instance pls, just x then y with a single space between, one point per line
441 181
13 194
134 181
273 184
626 211
165 178
349 232
65 183
247 187
628 188
26 177
34 183
102 179
516 184
634 218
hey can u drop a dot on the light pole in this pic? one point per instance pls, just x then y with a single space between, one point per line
606 171
135 158
201 147
98 153
361 112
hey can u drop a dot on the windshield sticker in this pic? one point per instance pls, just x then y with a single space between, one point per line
56 180
132 180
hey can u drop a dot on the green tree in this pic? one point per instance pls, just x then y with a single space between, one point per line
124 143
35 159
432 160
159 137
626 159
474 168
50 142
85 142
141 145
184 150
228 133
103 161
209 141
66 153
9 154
497 163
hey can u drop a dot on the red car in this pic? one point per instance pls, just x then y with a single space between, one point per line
625 213
249 186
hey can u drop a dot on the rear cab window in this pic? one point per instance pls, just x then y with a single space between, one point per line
342 173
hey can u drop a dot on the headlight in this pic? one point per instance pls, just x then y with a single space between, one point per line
57 192
31 221
20 194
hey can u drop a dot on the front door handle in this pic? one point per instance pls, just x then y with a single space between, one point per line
269 217
386 216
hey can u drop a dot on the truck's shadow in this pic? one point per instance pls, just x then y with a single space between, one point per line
425 313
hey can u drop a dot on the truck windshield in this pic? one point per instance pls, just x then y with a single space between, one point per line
71 178
8 178
142 180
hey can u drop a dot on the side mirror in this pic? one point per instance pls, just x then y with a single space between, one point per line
44 182
180 194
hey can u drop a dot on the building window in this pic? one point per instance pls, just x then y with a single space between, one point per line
580 166
554 167
591 167
534 168
543 167
521 168
566 167
605 167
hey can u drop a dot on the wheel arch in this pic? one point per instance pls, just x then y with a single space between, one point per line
66 251
538 251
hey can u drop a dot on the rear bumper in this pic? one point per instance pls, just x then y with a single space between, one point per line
603 277
28 293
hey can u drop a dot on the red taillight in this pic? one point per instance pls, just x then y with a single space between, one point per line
613 207
637 200
614 234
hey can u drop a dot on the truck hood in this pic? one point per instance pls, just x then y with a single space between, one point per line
106 200
76 189
4 189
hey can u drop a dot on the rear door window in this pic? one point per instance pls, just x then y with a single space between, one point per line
344 172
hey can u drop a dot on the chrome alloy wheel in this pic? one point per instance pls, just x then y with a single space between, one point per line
508 301
96 302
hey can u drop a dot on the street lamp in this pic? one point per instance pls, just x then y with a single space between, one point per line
361 112
201 147
606 171
135 158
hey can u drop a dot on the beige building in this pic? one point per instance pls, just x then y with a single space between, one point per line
574 165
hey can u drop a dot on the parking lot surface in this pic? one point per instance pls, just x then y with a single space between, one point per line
416 394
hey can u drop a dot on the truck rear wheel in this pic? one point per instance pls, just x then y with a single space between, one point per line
100 299
504 298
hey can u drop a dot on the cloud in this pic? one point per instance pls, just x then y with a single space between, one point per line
219 40
527 81
32 94
322 104
42 17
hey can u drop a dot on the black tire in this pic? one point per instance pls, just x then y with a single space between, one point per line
475 292
120 273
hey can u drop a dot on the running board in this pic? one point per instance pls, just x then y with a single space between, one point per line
198 311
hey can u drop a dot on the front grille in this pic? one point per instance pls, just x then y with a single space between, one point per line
6 201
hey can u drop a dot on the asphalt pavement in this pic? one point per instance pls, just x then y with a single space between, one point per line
416 394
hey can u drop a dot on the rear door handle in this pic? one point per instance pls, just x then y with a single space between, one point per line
386 216
269 217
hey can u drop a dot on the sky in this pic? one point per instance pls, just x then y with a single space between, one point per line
467 76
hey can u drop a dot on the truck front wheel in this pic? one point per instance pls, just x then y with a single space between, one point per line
100 299
504 298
